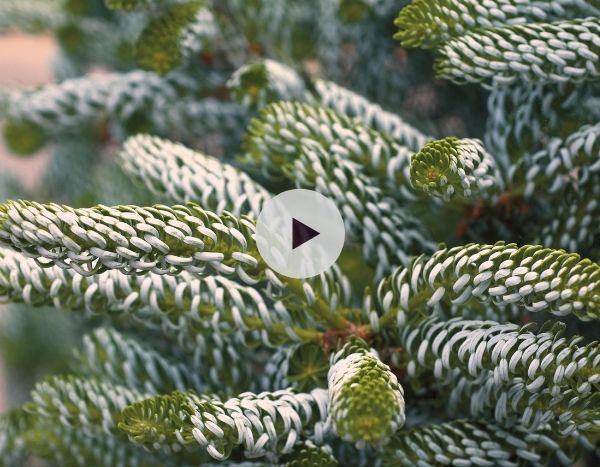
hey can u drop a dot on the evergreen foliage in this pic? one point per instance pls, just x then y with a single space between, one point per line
459 326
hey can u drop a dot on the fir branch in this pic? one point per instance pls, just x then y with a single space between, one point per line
551 169
344 101
388 234
454 167
533 277
263 423
512 404
87 405
574 225
71 447
267 82
183 305
256 85
184 29
160 239
13 426
130 238
366 403
110 356
501 56
525 116
302 367
30 15
460 442
184 175
307 454
188 119
428 24
284 128
543 361
78 103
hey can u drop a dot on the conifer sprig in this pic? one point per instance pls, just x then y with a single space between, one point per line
84 403
559 52
428 24
575 224
524 116
459 442
366 403
184 175
259 423
108 355
388 235
185 28
568 411
184 305
562 161
454 167
57 109
532 277
284 128
72 447
160 239
546 360
259 84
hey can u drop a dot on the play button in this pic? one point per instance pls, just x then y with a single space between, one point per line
300 233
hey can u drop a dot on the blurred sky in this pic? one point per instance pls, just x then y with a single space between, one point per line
25 61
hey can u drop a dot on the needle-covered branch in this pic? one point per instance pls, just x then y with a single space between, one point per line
58 109
428 24
283 129
184 305
258 423
559 52
532 277
561 162
453 167
108 355
388 234
567 410
266 82
184 29
459 442
185 175
81 403
523 117
160 239
366 403
503 352
576 222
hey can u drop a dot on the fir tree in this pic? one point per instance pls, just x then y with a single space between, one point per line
459 325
